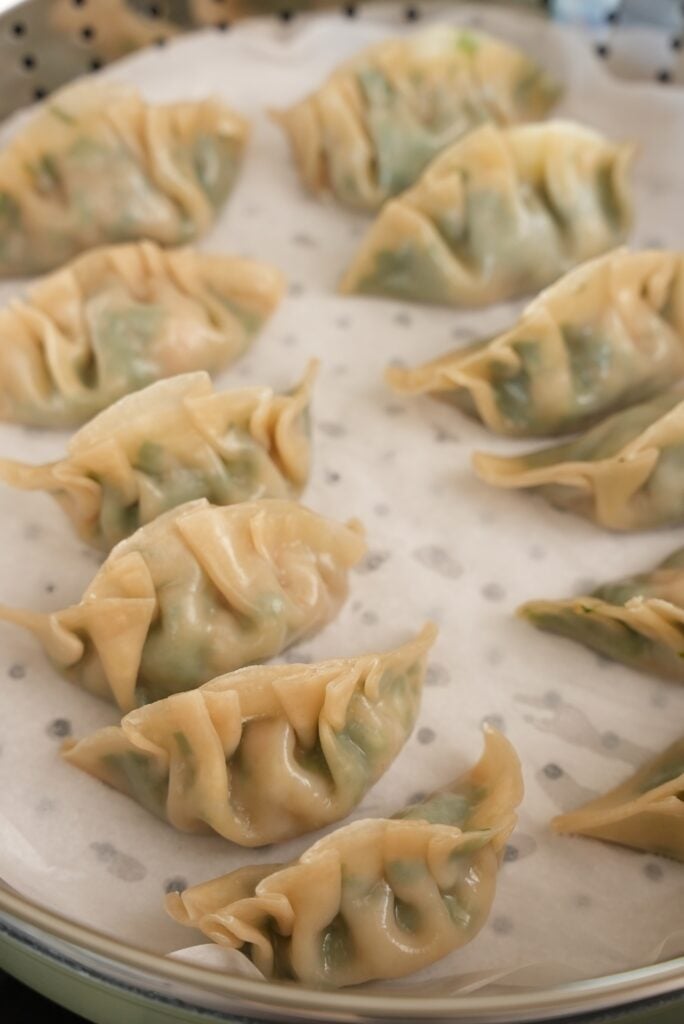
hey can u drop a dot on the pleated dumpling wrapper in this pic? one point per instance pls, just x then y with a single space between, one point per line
376 899
646 812
625 473
638 620
173 442
371 128
197 592
501 213
608 334
267 752
99 165
119 318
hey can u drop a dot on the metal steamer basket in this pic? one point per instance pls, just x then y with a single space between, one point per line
43 44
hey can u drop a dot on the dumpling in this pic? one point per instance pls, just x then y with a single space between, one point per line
268 752
501 213
370 129
625 473
379 898
99 165
119 318
646 812
199 591
608 334
170 443
638 620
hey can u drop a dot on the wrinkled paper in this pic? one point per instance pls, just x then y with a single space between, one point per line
443 546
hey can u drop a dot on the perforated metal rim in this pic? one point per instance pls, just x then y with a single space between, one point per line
46 43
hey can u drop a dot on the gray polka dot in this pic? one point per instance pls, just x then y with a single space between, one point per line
502 925
494 656
463 333
175 885
436 675
426 734
659 700
252 210
50 588
552 771
493 592
536 552
653 871
394 409
610 740
372 561
511 853
16 671
582 900
340 370
403 318
121 865
487 516
45 805
296 288
442 436
397 363
417 798
552 699
289 340
303 240
495 720
343 322
59 728
331 476
381 509
32 531
331 429
357 605
439 560
369 618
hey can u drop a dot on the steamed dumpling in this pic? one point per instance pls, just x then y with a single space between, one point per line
265 753
170 443
625 474
608 334
99 165
119 318
379 898
638 620
646 812
370 129
501 213
197 592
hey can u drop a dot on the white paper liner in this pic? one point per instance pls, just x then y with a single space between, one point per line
444 546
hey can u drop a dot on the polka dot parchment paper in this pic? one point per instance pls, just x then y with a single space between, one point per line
442 546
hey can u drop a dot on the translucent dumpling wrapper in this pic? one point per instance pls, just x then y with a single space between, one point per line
376 899
501 213
625 473
368 132
267 752
197 592
120 318
173 442
608 334
646 812
99 165
638 620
